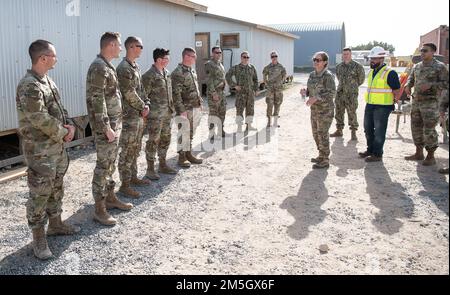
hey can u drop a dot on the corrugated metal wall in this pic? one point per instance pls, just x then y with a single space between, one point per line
77 41
329 37
258 42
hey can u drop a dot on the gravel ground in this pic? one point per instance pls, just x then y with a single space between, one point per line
254 208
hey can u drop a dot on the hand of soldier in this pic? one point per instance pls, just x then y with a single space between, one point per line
216 97
111 135
145 112
184 115
303 92
238 88
71 134
442 116
311 101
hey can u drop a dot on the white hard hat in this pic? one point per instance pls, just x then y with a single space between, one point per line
378 51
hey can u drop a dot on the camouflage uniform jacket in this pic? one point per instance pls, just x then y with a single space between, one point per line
129 76
186 94
41 115
274 76
158 91
434 73
350 77
322 86
245 75
103 97
216 77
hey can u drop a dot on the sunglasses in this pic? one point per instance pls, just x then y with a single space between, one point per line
274 56
246 57
140 46
317 60
424 50
218 52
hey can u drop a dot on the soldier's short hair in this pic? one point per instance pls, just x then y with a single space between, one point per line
244 52
131 41
38 48
160 53
347 49
431 45
215 48
107 38
188 50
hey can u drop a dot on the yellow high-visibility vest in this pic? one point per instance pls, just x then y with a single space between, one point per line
379 92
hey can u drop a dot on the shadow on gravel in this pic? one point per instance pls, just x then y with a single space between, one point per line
345 158
306 206
435 186
389 197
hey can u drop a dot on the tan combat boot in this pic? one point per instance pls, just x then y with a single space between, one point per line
338 133
164 168
128 191
275 122
140 182
193 159
56 227
183 161
430 160
113 202
316 160
354 136
418 156
151 173
323 164
40 246
101 215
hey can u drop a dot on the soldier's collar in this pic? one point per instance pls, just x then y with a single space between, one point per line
41 79
107 62
134 65
322 72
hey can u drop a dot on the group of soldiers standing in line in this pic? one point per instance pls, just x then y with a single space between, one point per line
429 79
121 104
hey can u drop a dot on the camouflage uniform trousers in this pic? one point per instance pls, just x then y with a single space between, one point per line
159 135
424 119
45 181
187 132
103 182
274 99
245 100
217 109
130 144
321 120
349 102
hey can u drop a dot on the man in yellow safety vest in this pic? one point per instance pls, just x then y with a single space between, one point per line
382 92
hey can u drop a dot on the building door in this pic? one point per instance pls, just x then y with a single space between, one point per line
202 44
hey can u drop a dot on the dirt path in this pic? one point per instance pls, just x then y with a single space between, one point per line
254 208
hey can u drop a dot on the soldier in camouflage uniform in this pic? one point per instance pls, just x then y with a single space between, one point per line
134 112
104 106
158 93
217 101
351 75
429 78
188 104
44 126
443 108
321 91
274 76
246 84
